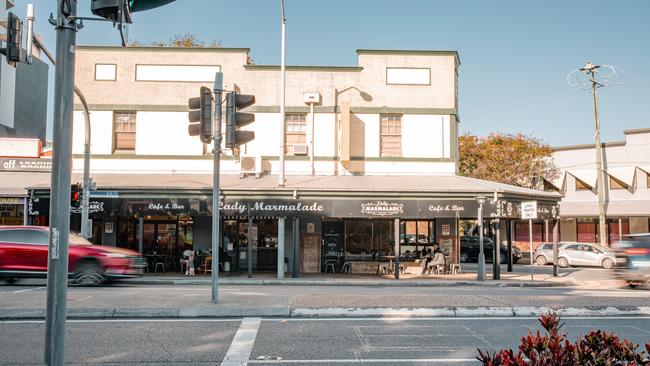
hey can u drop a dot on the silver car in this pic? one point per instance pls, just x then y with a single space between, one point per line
581 254
544 253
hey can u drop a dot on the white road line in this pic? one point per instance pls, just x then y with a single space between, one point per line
181 320
364 361
242 344
29 289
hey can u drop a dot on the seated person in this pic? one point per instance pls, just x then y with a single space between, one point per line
438 259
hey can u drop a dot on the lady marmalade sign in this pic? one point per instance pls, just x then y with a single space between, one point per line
364 208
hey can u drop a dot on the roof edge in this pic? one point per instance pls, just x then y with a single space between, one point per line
409 52
587 146
163 48
636 131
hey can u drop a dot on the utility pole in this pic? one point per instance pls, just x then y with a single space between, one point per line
57 269
282 100
216 193
591 70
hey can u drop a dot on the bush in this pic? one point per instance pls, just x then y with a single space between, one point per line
594 349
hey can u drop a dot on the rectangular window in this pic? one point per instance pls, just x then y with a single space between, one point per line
124 132
390 131
296 131
616 184
408 76
587 232
186 73
522 231
105 72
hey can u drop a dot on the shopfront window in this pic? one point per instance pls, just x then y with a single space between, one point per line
522 231
417 236
370 238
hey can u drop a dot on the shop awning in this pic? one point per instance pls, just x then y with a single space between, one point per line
588 176
624 174
13 184
346 183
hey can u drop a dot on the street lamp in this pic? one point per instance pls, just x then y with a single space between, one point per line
480 274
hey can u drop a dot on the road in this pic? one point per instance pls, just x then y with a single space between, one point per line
273 341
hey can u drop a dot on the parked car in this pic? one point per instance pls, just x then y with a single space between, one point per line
582 254
24 254
469 250
633 259
544 253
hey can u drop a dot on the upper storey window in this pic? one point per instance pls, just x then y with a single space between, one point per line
390 131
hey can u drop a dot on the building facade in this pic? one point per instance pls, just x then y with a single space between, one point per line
23 109
627 188
372 167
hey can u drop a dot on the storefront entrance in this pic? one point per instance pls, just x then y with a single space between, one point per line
263 253
163 240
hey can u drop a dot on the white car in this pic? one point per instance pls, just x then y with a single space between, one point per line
581 254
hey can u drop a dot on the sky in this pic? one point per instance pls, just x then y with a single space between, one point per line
515 54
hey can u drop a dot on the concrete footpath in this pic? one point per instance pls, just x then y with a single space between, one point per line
168 296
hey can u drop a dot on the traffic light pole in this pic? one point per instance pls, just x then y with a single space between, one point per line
57 269
216 153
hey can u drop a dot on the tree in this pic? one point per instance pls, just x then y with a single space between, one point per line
183 40
518 160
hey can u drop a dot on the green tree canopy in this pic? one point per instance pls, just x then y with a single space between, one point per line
518 159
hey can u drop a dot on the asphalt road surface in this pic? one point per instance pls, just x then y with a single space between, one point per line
274 341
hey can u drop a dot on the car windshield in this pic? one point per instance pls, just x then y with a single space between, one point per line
76 239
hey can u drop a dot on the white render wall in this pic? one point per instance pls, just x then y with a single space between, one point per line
628 161
428 138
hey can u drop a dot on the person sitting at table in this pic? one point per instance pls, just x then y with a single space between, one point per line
425 258
438 259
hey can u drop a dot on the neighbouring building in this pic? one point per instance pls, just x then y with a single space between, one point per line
23 109
627 188
377 155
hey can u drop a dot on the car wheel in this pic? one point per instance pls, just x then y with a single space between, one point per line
89 274
608 263
540 260
503 259
563 262
464 257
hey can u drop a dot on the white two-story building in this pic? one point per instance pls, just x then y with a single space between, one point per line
364 145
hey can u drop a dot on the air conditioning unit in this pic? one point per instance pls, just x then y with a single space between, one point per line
250 164
299 149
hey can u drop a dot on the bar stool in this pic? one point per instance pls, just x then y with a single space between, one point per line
346 268
159 264
329 265
454 268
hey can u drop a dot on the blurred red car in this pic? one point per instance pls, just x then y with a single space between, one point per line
23 254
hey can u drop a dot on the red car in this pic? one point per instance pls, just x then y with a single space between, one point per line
23 254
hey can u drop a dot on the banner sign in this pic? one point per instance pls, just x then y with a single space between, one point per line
25 165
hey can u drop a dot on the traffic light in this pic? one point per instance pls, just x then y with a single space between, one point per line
236 119
75 195
201 112
13 52
120 10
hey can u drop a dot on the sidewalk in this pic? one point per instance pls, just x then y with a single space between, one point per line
343 279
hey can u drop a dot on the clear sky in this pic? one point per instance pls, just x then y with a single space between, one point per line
515 54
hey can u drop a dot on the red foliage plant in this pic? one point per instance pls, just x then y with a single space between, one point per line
554 349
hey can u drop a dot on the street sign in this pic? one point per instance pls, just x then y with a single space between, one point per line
529 210
104 194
